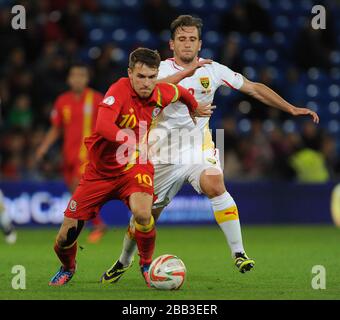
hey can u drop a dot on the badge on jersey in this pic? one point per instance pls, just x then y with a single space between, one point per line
109 100
156 112
205 82
73 205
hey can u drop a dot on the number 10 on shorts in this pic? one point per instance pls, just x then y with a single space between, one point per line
144 178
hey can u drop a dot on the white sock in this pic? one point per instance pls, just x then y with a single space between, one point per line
129 245
5 221
226 215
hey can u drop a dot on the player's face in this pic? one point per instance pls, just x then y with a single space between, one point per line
143 79
186 44
78 79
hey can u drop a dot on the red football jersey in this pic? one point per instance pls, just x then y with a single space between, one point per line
121 109
77 117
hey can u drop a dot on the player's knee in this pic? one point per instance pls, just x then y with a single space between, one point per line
212 185
142 215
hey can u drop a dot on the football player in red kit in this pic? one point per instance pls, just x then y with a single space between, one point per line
118 168
73 117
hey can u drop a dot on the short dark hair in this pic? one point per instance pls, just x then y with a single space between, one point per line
146 56
186 21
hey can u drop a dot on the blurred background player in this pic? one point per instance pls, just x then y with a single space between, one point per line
6 224
202 79
118 168
74 117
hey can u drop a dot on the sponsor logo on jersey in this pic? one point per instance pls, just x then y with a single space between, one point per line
73 205
109 100
205 82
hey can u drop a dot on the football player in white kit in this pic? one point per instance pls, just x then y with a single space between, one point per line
6 224
176 161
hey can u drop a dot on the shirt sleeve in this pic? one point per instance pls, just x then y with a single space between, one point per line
164 70
227 77
108 111
173 93
56 113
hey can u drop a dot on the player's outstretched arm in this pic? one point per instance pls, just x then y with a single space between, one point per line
50 138
179 76
269 97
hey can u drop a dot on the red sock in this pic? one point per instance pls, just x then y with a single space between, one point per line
146 245
67 256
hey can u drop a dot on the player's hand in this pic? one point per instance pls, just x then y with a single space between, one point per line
197 65
39 154
192 115
305 112
204 110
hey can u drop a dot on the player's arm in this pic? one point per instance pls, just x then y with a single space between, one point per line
54 132
269 97
183 95
180 75
105 124
50 138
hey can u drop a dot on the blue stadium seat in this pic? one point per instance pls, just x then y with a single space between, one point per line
250 72
334 108
334 91
252 57
333 126
128 5
208 53
313 105
289 126
335 74
312 91
271 56
144 37
212 39
244 125
109 20
335 58
220 5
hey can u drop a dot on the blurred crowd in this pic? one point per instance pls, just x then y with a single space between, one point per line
35 61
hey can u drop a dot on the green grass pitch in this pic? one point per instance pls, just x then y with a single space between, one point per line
285 256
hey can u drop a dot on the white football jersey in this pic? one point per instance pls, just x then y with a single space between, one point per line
175 117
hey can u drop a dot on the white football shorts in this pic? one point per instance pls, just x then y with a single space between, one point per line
169 178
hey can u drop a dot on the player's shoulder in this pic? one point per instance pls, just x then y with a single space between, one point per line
167 91
120 86
63 97
165 86
168 63
214 65
96 93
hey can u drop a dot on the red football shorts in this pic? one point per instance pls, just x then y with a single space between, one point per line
91 195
